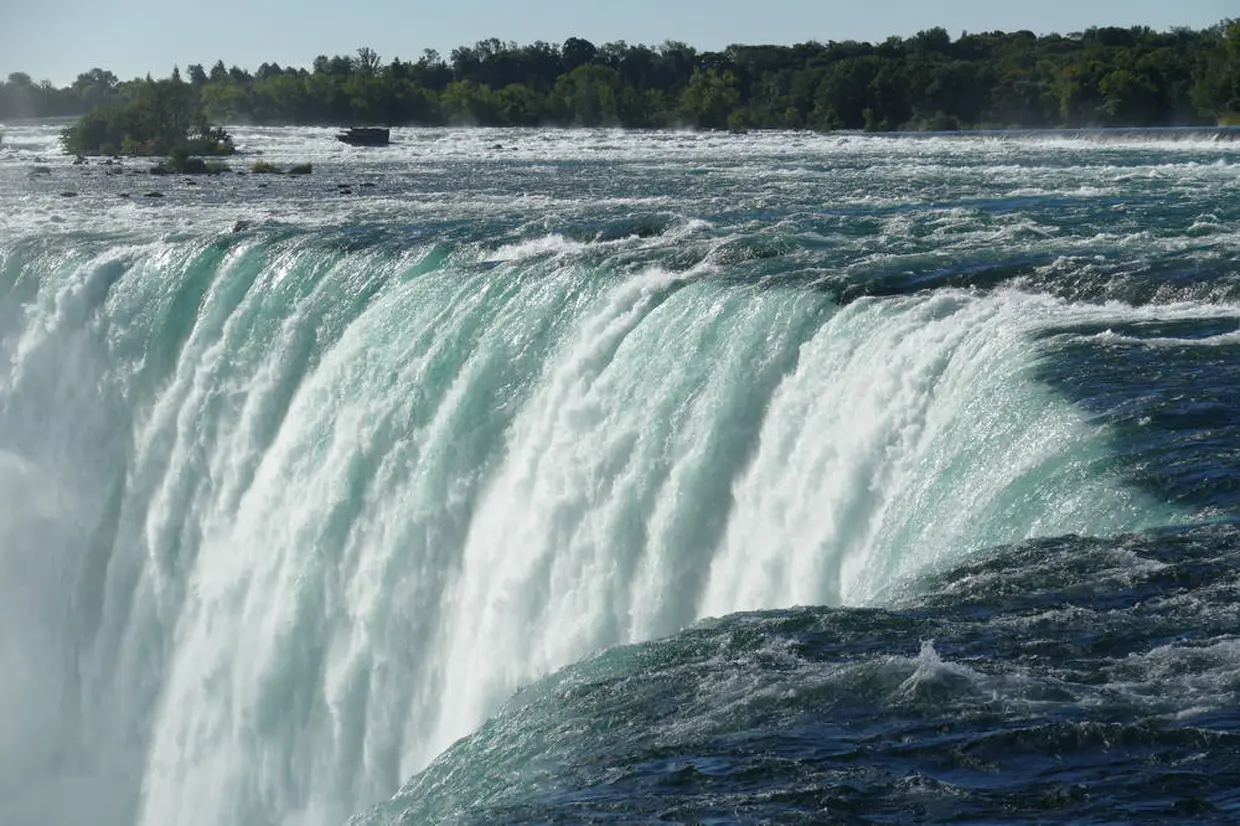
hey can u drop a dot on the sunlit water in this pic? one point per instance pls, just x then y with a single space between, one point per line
686 477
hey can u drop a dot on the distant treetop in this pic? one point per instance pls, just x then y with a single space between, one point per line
1100 77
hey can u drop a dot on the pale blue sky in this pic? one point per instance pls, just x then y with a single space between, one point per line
57 39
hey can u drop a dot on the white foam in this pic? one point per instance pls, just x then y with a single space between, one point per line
310 512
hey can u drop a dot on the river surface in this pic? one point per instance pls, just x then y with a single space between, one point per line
598 477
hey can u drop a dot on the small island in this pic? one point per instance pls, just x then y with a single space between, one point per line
164 119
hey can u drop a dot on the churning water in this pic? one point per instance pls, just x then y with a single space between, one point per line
540 476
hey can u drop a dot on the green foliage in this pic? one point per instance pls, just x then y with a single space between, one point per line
163 119
465 103
265 168
1101 77
519 105
182 163
942 122
709 99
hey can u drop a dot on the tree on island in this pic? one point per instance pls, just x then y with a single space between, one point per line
164 118
1102 77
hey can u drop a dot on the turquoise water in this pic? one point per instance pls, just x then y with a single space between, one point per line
498 435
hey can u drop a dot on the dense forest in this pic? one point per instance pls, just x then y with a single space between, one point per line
1100 77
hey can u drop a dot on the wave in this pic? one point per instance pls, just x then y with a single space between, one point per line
1059 679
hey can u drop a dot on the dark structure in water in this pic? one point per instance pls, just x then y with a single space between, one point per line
365 136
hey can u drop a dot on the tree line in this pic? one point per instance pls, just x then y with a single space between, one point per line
1100 77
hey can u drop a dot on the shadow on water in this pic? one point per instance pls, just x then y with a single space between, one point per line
1169 394
1137 284
969 275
